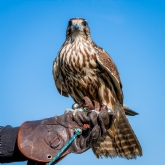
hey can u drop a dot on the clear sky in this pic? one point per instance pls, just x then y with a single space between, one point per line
132 31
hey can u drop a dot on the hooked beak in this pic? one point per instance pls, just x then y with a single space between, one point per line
76 27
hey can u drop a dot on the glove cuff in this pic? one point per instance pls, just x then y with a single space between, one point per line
41 140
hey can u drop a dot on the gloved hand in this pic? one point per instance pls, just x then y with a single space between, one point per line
41 140
98 119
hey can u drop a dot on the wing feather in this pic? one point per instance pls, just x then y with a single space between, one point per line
107 64
58 79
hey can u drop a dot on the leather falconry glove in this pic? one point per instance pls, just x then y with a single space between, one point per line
41 140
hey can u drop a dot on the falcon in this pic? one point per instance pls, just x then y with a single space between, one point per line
82 68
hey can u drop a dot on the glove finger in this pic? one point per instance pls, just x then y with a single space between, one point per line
93 119
95 133
104 120
84 140
83 117
77 120
102 126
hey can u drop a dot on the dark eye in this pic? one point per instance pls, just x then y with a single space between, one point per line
84 23
69 23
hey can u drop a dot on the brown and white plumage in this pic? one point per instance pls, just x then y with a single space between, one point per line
80 69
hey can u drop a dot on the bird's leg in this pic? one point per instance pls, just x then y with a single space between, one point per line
85 105
103 106
75 108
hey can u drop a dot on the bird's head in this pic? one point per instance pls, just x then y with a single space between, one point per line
77 27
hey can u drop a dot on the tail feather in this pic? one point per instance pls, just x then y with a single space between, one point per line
120 140
104 147
129 135
129 111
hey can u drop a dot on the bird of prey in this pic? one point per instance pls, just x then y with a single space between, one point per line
82 68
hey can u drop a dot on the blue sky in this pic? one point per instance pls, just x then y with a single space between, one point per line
132 31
